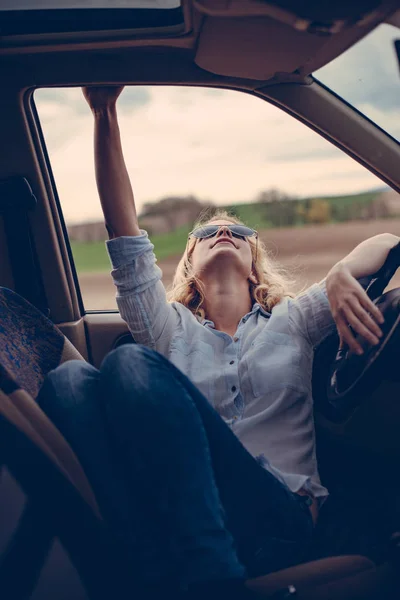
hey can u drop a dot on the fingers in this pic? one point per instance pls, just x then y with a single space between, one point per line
369 306
361 322
100 96
359 327
352 307
366 319
346 336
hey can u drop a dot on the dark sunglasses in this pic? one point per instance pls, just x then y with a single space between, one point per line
208 231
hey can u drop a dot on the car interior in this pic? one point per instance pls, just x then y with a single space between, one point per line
53 540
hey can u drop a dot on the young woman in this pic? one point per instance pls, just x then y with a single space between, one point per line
199 439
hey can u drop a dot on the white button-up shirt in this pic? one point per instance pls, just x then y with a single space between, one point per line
259 381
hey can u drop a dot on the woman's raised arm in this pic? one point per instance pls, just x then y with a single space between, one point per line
141 295
113 184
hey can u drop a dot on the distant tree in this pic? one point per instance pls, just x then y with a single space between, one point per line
175 211
273 195
379 208
301 211
319 211
278 207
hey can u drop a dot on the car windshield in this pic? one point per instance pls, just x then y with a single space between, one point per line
367 76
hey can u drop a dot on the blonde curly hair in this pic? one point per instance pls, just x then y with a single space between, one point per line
271 286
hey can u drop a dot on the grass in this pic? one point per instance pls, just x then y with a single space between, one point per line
251 214
90 256
170 244
93 257
364 197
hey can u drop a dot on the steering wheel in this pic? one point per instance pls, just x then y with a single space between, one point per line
352 377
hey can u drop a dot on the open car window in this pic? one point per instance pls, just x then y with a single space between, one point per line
367 76
62 4
187 148
39 17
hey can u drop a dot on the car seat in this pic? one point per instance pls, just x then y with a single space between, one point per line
53 542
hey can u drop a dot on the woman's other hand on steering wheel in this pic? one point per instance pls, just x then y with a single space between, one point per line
101 97
351 306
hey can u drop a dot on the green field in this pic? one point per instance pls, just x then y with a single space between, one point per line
251 214
351 199
263 216
92 256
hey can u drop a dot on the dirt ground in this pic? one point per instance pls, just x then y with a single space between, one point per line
308 252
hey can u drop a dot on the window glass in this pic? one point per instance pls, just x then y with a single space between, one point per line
187 148
40 17
82 4
367 76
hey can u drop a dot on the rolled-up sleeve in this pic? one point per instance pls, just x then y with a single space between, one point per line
310 313
141 296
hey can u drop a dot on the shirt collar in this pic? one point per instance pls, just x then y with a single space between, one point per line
256 308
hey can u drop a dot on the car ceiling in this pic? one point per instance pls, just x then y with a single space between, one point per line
250 39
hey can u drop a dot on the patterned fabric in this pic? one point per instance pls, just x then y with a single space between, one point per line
30 345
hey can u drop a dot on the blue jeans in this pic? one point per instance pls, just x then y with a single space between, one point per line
171 478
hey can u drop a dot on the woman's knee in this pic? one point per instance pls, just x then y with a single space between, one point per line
132 366
68 384
141 378
128 355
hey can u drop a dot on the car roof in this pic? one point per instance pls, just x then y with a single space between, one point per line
247 38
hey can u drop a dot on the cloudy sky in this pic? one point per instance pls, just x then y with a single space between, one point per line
220 145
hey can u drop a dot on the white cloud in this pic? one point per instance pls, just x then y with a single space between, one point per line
224 147
367 74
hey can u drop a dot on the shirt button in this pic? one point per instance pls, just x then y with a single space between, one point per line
235 339
233 388
232 362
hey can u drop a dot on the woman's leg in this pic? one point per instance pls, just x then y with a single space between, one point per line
189 464
70 396
160 439
172 449
272 527
151 473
